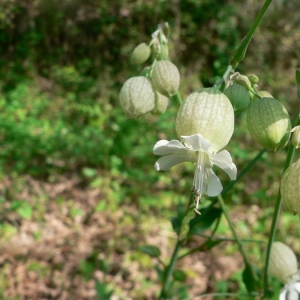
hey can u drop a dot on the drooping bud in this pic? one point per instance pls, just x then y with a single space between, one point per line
269 123
244 81
283 262
253 79
207 112
296 137
238 96
290 187
140 54
166 78
137 96
161 103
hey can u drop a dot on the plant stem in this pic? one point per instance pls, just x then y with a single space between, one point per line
276 214
242 251
178 98
169 271
170 268
239 54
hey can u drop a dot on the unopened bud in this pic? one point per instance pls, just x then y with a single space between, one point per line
166 78
269 123
137 96
283 262
140 54
161 103
244 81
238 96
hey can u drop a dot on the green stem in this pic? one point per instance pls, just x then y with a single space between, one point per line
276 214
178 98
216 239
239 54
170 268
242 251
231 295
169 271
219 84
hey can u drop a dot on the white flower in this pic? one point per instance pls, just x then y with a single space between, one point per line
197 150
290 291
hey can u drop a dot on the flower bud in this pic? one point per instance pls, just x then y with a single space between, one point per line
165 78
137 96
244 81
238 96
290 187
283 262
140 54
207 112
269 123
253 79
161 103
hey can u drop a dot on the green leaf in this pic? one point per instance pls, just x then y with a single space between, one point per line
101 290
250 278
204 221
152 251
177 221
179 275
25 211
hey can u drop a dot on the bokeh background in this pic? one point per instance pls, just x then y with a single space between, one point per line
78 191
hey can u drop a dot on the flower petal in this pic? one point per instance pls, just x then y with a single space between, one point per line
296 286
282 295
214 186
168 161
197 142
164 147
224 161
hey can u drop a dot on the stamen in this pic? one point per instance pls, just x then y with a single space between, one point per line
197 211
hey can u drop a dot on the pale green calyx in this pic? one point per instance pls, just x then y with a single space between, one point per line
269 123
137 96
140 54
238 96
166 78
290 188
296 137
283 262
161 103
207 112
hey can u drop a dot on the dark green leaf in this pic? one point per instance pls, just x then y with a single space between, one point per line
152 251
250 278
179 275
203 222
102 292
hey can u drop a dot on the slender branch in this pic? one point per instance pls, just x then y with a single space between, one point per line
170 268
216 239
242 251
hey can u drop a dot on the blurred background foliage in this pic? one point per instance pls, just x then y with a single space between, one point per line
63 63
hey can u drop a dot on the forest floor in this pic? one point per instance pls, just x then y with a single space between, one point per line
70 240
